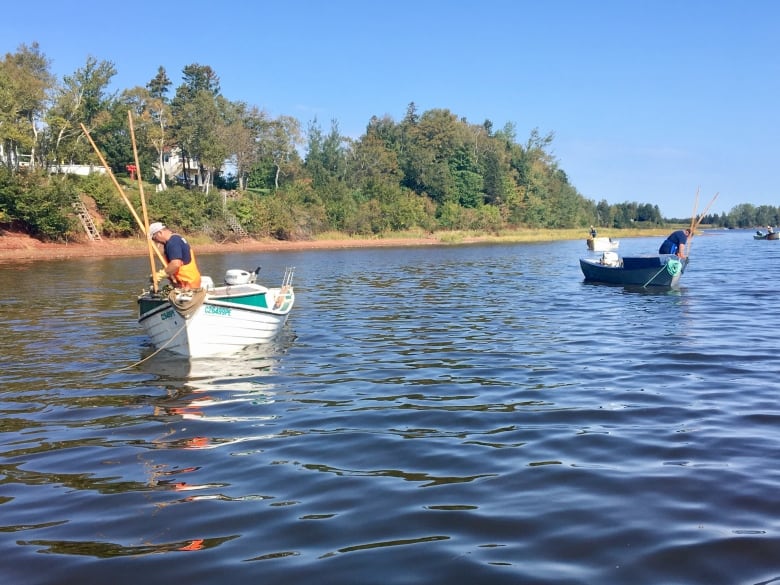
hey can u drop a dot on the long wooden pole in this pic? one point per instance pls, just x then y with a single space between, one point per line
706 209
693 215
150 243
120 191
695 221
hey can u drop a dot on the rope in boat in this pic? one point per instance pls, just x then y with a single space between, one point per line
652 278
187 302
672 266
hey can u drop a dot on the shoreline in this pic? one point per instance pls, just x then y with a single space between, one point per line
16 247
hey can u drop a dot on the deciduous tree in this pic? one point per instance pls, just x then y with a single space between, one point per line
25 80
81 99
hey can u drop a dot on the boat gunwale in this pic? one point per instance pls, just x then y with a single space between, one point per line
164 304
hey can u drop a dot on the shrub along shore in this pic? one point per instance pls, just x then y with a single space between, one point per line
20 247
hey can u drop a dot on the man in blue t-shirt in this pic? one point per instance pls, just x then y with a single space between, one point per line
675 243
182 270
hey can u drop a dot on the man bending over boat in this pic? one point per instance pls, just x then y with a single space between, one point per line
182 270
675 243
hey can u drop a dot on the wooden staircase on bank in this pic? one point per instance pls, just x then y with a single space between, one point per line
86 220
232 221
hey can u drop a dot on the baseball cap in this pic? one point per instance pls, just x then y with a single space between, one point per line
155 227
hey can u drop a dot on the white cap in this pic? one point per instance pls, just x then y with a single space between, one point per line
155 227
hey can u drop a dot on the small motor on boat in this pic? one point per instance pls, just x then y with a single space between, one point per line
238 276
610 259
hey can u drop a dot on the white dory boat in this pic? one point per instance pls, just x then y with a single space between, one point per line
602 244
657 270
216 321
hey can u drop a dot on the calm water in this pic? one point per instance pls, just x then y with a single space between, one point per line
472 414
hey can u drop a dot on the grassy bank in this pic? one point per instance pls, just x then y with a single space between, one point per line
510 236
20 247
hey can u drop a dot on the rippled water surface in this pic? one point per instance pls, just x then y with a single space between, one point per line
466 414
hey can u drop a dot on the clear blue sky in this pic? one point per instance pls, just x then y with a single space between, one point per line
649 100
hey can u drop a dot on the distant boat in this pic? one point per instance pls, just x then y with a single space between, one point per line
216 321
759 235
659 270
602 244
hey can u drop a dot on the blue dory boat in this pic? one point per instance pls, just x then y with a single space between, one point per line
662 270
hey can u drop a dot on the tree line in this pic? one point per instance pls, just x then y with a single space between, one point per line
429 171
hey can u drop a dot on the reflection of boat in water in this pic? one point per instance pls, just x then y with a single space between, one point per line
223 403
229 389
250 362
208 404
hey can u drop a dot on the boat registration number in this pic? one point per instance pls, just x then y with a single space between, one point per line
212 310
167 315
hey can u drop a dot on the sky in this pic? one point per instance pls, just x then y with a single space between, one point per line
667 102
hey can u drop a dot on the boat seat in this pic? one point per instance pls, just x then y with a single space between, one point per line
633 262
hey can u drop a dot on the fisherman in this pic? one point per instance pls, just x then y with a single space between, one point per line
182 270
675 243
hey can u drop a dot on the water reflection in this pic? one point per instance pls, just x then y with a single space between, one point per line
450 410
637 289
211 396
159 447
105 550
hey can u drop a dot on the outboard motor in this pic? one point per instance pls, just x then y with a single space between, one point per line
610 259
236 276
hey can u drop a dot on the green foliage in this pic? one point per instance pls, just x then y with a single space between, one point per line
100 187
262 175
404 210
24 81
340 206
229 182
452 216
244 209
287 214
118 221
367 219
183 209
9 188
41 203
631 214
81 99
115 144
746 215
487 218
278 212
431 169
326 158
